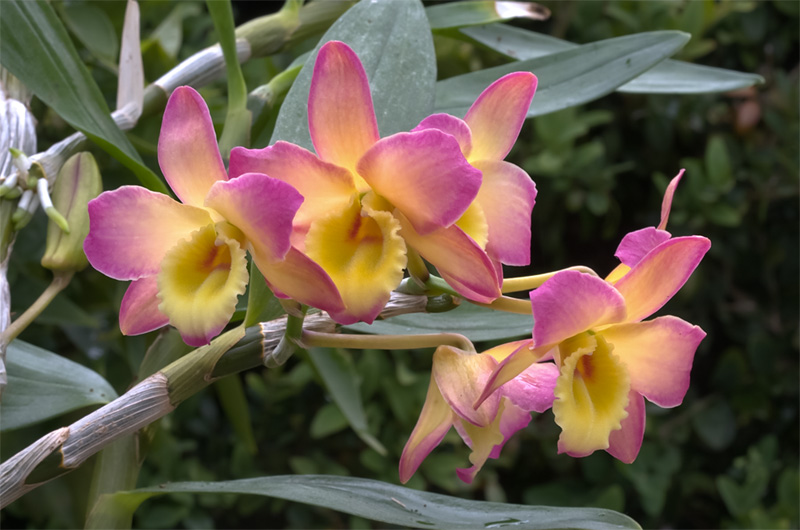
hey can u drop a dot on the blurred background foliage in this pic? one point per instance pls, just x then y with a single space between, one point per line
728 457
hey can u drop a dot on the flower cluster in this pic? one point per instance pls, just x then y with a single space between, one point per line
335 229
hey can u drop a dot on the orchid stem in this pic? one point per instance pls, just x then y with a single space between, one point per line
509 305
312 339
526 283
416 267
290 342
60 280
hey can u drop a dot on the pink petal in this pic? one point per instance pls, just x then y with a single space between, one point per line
261 207
460 377
131 228
451 125
666 203
659 275
636 245
487 442
624 444
532 390
424 175
512 366
340 114
139 310
496 117
507 196
434 421
187 147
658 354
325 187
298 277
572 302
459 260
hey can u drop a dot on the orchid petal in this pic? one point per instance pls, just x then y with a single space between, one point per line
512 366
591 397
434 421
666 203
458 258
501 352
571 302
487 442
364 256
297 276
455 127
324 186
657 277
187 147
139 310
424 175
261 207
636 245
341 118
473 223
507 196
625 443
658 355
131 228
532 389
496 117
199 284
460 377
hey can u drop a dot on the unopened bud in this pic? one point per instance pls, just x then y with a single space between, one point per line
78 182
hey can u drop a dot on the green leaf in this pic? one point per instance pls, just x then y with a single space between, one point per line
570 77
716 425
387 503
93 28
344 385
477 12
231 396
476 323
718 164
394 42
667 77
43 385
31 34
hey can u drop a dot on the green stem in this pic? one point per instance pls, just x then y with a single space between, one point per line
526 283
416 267
385 342
290 343
509 305
60 280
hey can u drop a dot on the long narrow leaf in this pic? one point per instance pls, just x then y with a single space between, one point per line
668 77
386 503
477 12
43 385
37 50
570 77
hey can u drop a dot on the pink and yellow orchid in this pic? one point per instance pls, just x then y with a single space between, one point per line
357 185
187 259
457 378
608 358
496 228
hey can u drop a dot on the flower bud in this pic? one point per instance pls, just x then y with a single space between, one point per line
78 182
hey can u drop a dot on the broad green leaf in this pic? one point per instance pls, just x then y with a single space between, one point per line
393 40
476 323
43 385
667 77
386 503
571 77
477 12
93 28
31 34
344 385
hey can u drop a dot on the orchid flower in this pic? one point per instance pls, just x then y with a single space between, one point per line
187 259
496 228
357 185
608 358
457 378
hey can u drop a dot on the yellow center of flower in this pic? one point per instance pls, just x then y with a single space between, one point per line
201 279
591 393
473 222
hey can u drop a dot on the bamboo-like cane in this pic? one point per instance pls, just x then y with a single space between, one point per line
65 449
